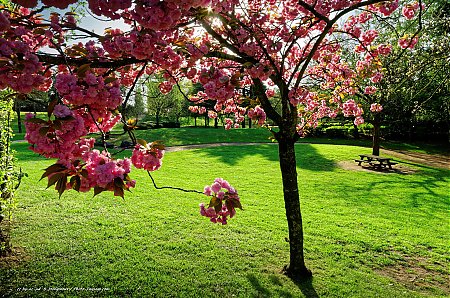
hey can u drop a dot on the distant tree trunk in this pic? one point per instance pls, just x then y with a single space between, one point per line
376 135
195 120
206 121
243 123
19 119
157 118
249 123
296 268
355 131
216 122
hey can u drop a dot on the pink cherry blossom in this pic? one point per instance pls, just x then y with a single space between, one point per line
224 200
62 111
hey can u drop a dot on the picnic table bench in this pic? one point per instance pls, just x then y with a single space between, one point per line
375 161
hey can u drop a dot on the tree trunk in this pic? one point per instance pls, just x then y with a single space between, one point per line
249 123
355 132
216 122
19 119
296 268
157 119
376 136
195 121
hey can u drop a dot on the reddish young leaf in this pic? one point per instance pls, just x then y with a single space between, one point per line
57 124
53 179
36 121
118 192
214 202
110 80
75 183
53 169
43 130
61 184
229 205
237 204
81 72
98 189
84 173
158 145
51 107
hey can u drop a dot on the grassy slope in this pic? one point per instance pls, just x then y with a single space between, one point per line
155 243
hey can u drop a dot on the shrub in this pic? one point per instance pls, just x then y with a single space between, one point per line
9 175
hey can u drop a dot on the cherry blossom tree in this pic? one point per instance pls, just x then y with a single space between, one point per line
290 48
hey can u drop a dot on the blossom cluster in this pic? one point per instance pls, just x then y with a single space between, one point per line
376 108
257 114
20 68
58 138
103 171
408 42
224 201
409 10
148 156
82 93
351 108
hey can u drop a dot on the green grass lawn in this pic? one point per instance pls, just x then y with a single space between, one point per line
201 135
366 234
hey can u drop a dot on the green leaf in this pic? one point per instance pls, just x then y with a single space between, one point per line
142 142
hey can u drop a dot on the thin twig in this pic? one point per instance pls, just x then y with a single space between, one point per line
170 187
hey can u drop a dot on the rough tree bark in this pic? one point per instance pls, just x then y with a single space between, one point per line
376 135
286 150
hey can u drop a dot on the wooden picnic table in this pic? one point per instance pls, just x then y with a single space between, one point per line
375 161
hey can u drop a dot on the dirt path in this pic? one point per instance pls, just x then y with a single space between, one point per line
432 160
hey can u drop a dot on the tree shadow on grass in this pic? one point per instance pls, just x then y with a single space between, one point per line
419 190
305 287
308 158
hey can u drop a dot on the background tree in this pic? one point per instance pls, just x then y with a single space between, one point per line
161 104
412 81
